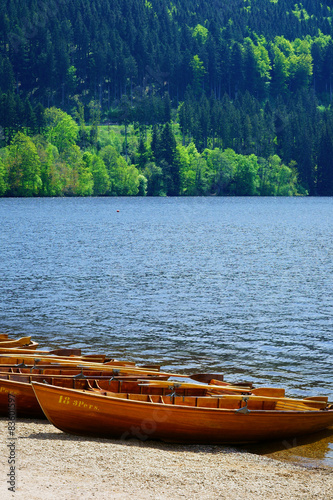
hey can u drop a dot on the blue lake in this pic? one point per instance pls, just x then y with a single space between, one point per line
241 286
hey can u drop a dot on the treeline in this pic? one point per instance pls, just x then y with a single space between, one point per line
298 131
51 163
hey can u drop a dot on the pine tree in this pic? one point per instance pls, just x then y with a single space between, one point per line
170 161
325 159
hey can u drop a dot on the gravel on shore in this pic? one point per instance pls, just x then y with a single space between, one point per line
50 464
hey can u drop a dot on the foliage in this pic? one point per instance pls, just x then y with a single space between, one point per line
166 98
23 167
62 130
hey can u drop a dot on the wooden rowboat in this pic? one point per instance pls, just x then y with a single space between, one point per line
196 420
18 382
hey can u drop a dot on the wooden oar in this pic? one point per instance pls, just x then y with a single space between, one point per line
293 406
6 358
324 399
188 385
248 393
274 392
94 358
78 362
305 402
260 391
56 352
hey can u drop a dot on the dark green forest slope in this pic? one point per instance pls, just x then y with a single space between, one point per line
249 78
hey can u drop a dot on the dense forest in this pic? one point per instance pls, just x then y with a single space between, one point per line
135 97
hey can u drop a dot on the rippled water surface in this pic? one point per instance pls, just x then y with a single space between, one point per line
238 285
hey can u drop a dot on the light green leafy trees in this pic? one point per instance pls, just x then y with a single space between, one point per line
300 64
280 72
257 66
99 172
277 179
51 167
23 167
143 185
200 33
79 179
124 179
154 175
193 171
61 130
3 182
187 173
292 65
246 181
221 167
76 178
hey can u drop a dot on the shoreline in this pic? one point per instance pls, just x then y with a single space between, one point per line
51 464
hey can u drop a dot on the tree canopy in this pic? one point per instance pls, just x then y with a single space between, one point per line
253 76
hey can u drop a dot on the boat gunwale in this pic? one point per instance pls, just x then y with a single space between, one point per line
94 394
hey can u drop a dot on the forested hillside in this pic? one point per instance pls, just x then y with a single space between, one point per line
250 80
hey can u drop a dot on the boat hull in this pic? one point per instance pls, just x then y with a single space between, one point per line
88 414
25 400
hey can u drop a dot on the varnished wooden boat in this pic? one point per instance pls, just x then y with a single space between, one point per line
18 381
187 420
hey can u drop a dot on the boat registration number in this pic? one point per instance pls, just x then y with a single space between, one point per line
9 391
66 400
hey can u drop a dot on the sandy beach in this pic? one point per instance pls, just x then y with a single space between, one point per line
50 464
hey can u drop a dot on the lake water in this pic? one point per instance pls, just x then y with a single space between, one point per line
241 286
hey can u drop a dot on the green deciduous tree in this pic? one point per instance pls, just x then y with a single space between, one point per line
96 166
51 168
3 180
78 178
200 34
154 176
222 167
246 179
276 179
124 179
61 129
280 73
23 166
